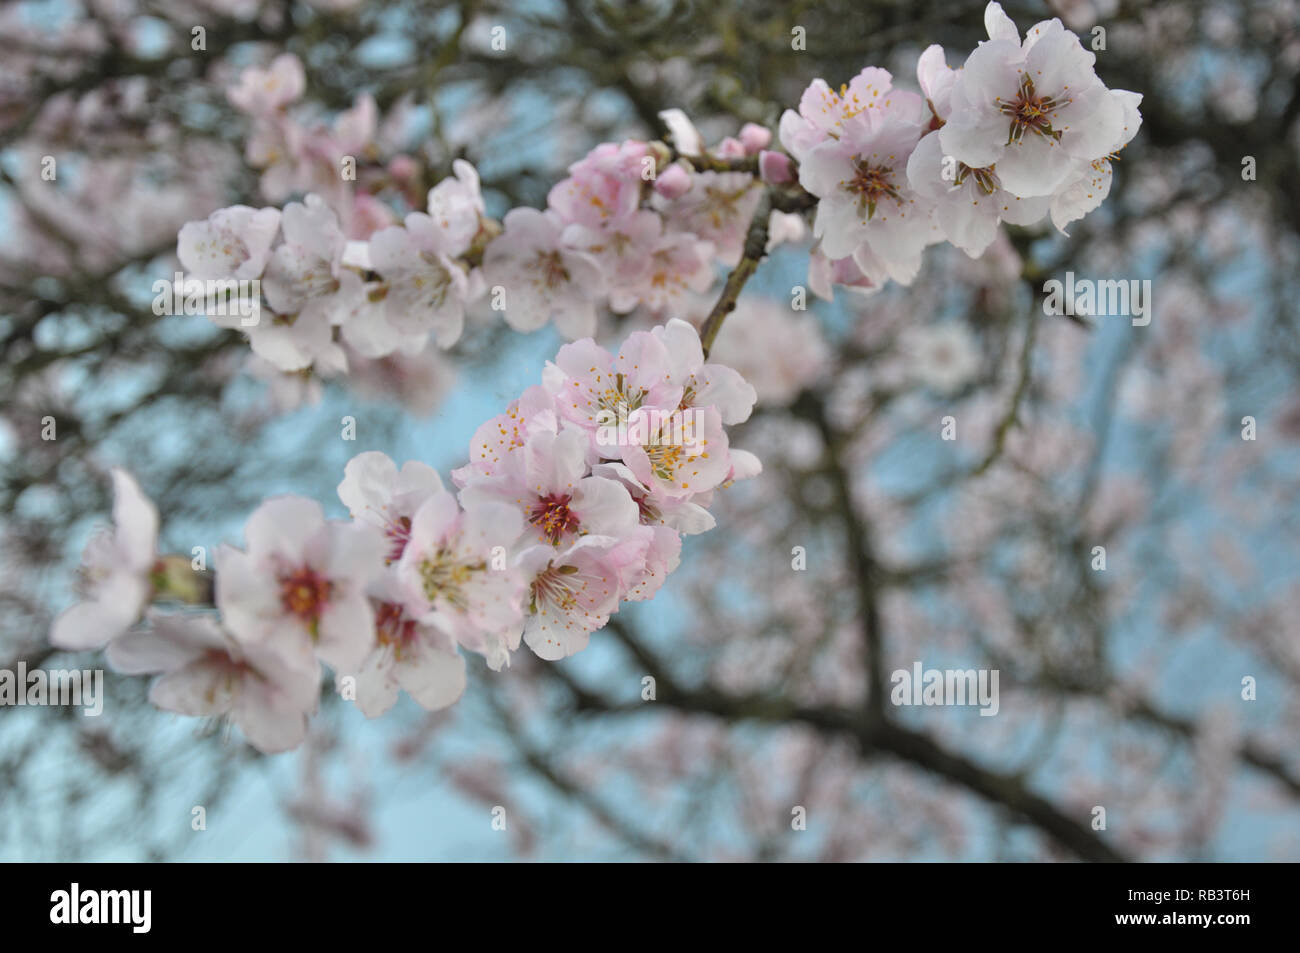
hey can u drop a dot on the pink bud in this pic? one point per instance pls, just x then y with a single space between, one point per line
673 182
730 148
369 215
402 168
775 167
754 137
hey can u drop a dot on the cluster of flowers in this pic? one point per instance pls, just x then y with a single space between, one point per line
573 501
314 277
1023 130
627 228
297 156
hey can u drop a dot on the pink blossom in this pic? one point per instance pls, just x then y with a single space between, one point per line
677 468
503 434
730 148
547 481
354 129
573 591
279 147
425 289
969 203
680 265
368 327
207 672
300 588
456 573
1089 185
456 205
717 208
679 515
116 572
294 342
936 79
622 247
232 242
308 264
866 199
543 279
824 112
409 655
378 494
1033 109
642 577
261 92
824 272
703 385
589 384
656 552
604 186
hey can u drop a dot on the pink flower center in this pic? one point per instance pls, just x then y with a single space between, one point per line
552 515
392 627
398 532
433 281
872 183
619 395
985 179
231 675
304 593
649 512
551 267
557 587
1030 111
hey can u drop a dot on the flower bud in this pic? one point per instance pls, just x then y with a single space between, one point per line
755 137
673 182
775 167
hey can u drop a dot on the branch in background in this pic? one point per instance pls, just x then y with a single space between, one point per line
542 765
873 733
1012 416
866 572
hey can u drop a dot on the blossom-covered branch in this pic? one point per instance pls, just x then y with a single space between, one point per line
576 498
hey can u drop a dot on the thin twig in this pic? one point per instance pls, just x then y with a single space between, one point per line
1012 416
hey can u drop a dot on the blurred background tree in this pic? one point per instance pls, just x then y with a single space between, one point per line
1120 688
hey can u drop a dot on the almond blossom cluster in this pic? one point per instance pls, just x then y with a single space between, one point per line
297 156
631 227
384 296
574 500
610 237
1023 130
627 229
